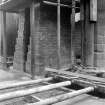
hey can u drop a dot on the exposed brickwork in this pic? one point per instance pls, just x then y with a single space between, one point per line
47 45
18 55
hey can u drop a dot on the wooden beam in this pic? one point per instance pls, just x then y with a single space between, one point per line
72 30
82 12
63 97
24 83
21 93
32 27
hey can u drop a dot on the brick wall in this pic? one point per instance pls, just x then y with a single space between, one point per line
47 44
46 48
49 36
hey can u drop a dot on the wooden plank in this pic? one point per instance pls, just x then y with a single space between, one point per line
93 10
63 97
21 93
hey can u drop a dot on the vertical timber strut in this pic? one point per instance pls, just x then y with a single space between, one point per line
72 30
32 25
82 30
58 34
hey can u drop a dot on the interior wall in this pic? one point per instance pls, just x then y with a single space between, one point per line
49 35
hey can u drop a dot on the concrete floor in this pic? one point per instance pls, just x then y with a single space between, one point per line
7 77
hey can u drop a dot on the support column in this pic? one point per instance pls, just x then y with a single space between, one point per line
72 30
82 12
35 39
89 37
0 40
18 63
32 26
4 38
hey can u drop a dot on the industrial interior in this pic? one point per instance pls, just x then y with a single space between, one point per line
52 52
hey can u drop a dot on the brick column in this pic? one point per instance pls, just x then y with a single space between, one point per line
88 37
18 63
37 66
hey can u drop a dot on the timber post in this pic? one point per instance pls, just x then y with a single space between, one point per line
72 21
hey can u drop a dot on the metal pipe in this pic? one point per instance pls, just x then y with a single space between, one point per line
55 4
21 93
30 82
63 97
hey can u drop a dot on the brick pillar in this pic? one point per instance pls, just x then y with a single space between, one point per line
18 63
88 37
37 66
